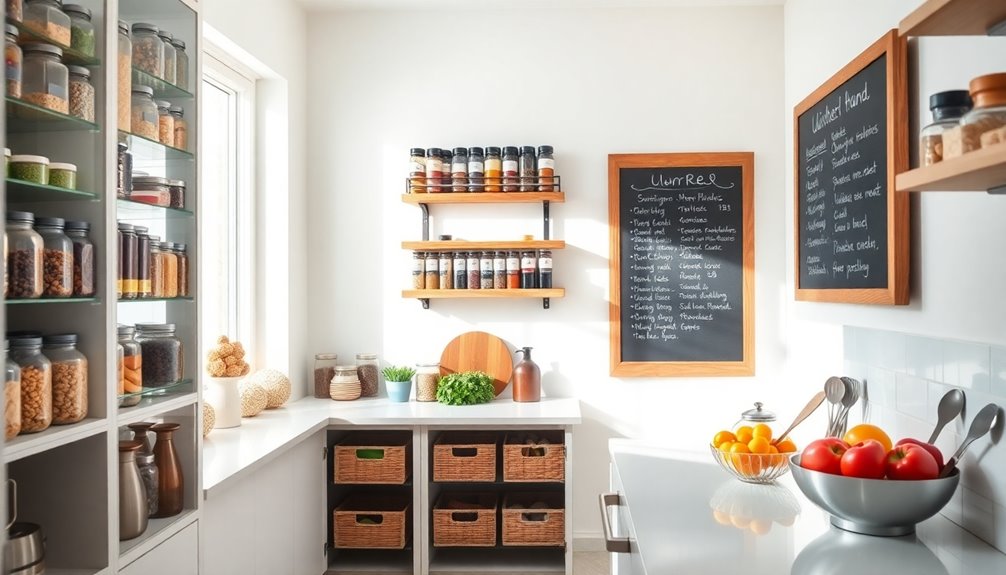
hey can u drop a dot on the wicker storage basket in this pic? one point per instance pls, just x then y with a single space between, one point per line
465 456
375 457
537 526
372 523
536 461
465 520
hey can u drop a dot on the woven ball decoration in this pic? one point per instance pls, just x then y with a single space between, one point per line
276 385
209 418
253 400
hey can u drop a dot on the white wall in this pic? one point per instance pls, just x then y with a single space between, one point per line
590 82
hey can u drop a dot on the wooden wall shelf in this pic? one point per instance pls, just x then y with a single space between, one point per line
482 293
485 198
977 171
452 245
954 18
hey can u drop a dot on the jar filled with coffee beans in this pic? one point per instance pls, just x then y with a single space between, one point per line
36 383
162 354
11 395
324 369
369 374
24 256
69 378
57 259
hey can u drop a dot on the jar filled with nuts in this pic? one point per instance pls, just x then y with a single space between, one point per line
148 49
124 75
143 119
162 354
12 396
15 61
57 259
47 20
83 258
36 383
181 64
46 79
369 374
169 56
69 378
132 361
24 256
181 128
165 123
81 93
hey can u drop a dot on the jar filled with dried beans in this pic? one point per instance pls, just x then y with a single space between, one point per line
69 378
511 169
83 258
324 369
162 354
11 395
369 374
57 258
36 383
24 256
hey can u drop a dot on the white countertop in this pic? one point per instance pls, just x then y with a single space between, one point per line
230 452
671 497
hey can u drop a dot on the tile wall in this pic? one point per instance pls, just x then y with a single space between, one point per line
906 376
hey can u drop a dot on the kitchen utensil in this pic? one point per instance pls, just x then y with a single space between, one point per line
478 351
808 409
834 390
981 425
752 467
848 400
951 405
874 506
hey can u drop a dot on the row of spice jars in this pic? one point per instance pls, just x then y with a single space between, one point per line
525 269
157 52
36 74
327 372
156 191
39 170
148 267
149 356
493 169
48 257
67 25
157 120
46 382
965 120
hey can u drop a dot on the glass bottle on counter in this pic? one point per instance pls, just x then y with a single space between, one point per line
181 128
143 113
432 267
486 270
493 169
181 252
82 34
446 267
947 108
46 79
528 269
148 49
36 383
476 170
427 380
545 269
181 64
546 169
459 170
474 275
162 354
434 169
83 258
418 271
513 270
46 19
499 270
128 280
69 378
165 123
24 257
368 372
460 270
15 61
11 395
124 75
511 169
57 258
417 170
170 60
324 369
132 364
528 172
143 281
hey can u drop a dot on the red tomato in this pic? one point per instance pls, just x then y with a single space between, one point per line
824 455
865 459
911 462
932 449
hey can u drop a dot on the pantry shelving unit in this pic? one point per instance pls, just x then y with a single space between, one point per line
67 476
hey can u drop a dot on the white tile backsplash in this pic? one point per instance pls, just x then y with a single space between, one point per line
911 396
966 365
925 358
998 372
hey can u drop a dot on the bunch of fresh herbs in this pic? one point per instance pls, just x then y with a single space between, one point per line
466 388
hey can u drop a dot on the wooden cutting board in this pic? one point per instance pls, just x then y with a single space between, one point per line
479 351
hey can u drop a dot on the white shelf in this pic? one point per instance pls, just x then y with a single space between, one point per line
154 406
158 531
30 444
523 560
384 561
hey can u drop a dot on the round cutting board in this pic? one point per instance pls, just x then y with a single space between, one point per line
479 351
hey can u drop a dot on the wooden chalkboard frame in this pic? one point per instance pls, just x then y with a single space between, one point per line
619 368
898 216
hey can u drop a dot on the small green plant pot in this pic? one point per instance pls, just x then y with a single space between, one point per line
399 390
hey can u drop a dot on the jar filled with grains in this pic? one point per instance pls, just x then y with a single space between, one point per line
546 169
143 282
151 190
427 379
83 258
69 378
81 93
131 378
162 354
324 369
127 284
432 267
417 170
63 175
82 35
181 252
165 123
15 10
57 259
170 61
181 128
418 270
15 61
181 64
36 383
528 172
11 395
176 193
124 74
24 256
446 266
474 278
156 268
170 259
513 270
460 271
143 119
46 79
476 168
148 49
369 374
46 19
459 170
486 270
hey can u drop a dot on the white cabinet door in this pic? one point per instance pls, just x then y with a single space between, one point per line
179 555
630 563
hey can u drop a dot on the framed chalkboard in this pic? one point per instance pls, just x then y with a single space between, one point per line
850 141
682 264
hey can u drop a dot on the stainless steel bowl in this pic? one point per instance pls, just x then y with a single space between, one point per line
874 506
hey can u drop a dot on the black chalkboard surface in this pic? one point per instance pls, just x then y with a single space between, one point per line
681 264
851 227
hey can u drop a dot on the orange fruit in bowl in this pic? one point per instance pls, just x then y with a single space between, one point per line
759 445
739 456
725 446
744 433
723 437
786 446
762 430
864 431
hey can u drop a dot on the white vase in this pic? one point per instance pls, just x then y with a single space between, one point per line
222 393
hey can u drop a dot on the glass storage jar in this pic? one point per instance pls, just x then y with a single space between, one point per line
176 194
151 190
460 270
511 169
513 270
181 252
36 383
476 170
528 172
143 119
82 35
546 169
427 379
988 93
57 257
47 20
947 108
545 269
417 170
11 395
46 79
493 171
446 158
15 11
459 170
143 282
181 64
170 259
148 49
34 169
474 276
63 175
528 269
434 169
755 416
156 269
369 374
132 362
24 256
119 372
345 384
124 172
432 269
324 369
165 123
127 282
14 59
445 265
124 75
486 270
162 354
83 258
418 270
150 477
499 270
181 128
69 378
170 61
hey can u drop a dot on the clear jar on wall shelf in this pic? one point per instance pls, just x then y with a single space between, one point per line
445 178
181 128
947 108
45 78
36 383
988 93
143 253
148 49
417 170
446 269
11 395
81 93
486 270
434 169
546 169
545 269
528 171
528 269
69 378
57 257
459 170
162 354
82 35
170 59
46 19
418 270
474 273
511 169
460 270
181 64
143 119
476 169
124 76
499 270
15 61
493 170
513 270
165 123
432 267
83 258
24 256
181 253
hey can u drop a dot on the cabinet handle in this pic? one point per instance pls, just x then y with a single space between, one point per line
612 543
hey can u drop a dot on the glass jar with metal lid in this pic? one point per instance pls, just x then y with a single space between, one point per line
176 193
417 170
181 64
434 169
493 171
165 123
57 257
345 384
511 169
124 74
36 383
369 373
947 108
69 378
170 259
459 170
15 61
82 35
181 128
148 49
546 169
151 190
528 170
181 254
486 270
24 256
170 60
11 395
127 279
46 78
324 369
427 380
132 363
83 258
143 120
156 268
46 19
476 169
755 416
162 354
81 93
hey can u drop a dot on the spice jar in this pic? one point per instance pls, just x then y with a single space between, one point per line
165 123
15 61
476 170
546 169
169 67
418 270
989 113
131 380
83 258
82 35
434 169
366 369
151 190
182 255
148 49
486 270
446 268
181 128
46 79
324 369
345 385
150 477
499 270
34 169
528 269
143 281
162 354
511 169
545 269
432 268
57 258
417 170
170 263
947 108
528 172
143 120
124 171
127 282
11 395
427 380
124 73
460 270
15 11
24 256
493 169
513 270
181 64
459 170
474 275
63 175
69 378
445 176
36 383
176 194
46 19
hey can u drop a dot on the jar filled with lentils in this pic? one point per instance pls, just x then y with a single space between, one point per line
162 354
83 258
367 371
81 93
36 383
57 259
46 19
181 64
427 379
69 378
46 79
11 395
24 256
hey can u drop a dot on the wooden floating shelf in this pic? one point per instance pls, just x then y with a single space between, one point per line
484 198
482 293
977 171
451 245
953 18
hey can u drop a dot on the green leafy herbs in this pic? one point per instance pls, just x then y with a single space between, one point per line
398 373
466 388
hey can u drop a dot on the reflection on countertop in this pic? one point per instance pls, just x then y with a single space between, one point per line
838 552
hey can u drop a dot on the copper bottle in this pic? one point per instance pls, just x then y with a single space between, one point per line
526 378
171 485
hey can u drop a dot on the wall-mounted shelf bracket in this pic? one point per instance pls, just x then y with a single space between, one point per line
426 221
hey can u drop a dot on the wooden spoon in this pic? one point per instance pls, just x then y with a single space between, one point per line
808 409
